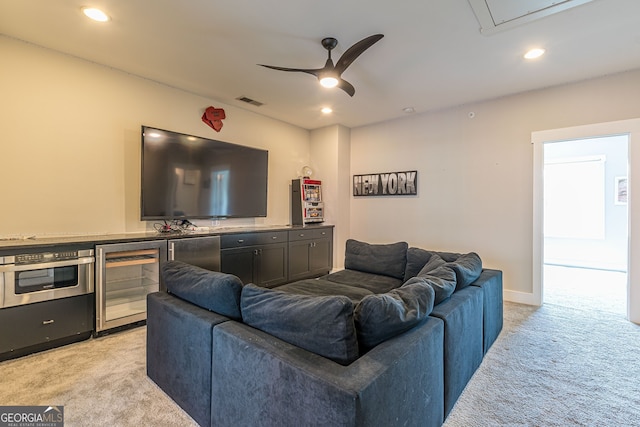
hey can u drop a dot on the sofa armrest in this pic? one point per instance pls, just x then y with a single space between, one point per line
179 352
491 283
259 380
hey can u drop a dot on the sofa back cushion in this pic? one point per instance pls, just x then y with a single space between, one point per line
437 274
467 268
320 324
380 317
416 259
386 259
211 290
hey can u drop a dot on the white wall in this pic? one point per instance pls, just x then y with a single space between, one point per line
475 175
70 143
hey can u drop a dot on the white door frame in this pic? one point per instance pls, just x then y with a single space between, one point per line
624 127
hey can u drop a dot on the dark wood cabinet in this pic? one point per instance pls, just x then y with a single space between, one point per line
272 258
310 252
258 257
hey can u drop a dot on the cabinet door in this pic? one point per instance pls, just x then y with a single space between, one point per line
320 256
299 259
272 264
239 262
200 251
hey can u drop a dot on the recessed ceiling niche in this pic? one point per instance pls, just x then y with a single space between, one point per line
498 15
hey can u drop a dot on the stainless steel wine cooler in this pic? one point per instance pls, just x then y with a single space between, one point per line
125 274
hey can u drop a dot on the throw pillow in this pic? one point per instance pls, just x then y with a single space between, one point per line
467 269
383 316
320 324
416 259
388 259
211 290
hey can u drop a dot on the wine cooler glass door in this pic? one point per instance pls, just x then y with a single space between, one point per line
126 274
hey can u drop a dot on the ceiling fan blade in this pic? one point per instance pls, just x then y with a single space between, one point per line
346 86
354 51
314 71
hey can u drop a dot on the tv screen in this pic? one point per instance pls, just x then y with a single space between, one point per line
188 177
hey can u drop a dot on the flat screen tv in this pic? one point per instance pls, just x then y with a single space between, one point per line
189 177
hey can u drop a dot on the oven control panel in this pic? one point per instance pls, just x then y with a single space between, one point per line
45 257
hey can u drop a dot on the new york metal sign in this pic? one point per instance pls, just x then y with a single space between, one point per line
386 184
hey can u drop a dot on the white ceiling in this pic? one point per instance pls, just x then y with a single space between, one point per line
433 55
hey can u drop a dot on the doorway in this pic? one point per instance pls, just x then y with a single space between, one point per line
586 223
630 128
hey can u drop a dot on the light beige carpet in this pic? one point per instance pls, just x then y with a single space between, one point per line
551 366
100 382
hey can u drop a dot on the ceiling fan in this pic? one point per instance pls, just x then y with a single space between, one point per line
329 75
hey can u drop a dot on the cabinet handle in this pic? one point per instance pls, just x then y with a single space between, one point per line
301 234
47 322
274 237
240 240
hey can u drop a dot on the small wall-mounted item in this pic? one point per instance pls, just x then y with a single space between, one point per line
386 184
621 190
213 117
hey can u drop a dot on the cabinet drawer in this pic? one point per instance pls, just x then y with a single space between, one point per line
309 233
39 323
249 239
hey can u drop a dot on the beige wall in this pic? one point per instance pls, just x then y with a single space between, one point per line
70 143
475 175
330 151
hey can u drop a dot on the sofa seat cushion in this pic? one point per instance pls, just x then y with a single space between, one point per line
320 324
211 290
387 259
322 287
375 283
380 317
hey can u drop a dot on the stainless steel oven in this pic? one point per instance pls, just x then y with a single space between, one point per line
44 276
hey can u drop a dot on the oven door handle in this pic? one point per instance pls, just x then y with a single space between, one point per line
10 268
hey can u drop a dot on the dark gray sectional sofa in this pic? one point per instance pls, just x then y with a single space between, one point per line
390 340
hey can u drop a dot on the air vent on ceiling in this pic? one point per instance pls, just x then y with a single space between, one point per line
497 15
249 101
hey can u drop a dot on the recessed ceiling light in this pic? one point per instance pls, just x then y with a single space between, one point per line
409 110
534 53
326 110
95 14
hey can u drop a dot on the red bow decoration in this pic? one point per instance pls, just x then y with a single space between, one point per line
213 117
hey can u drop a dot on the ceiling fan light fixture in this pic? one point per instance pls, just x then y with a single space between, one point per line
328 81
95 14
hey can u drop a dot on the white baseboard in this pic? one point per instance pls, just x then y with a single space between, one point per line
520 297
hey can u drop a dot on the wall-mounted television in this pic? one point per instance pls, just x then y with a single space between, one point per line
189 177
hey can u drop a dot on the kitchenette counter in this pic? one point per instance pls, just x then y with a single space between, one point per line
40 242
